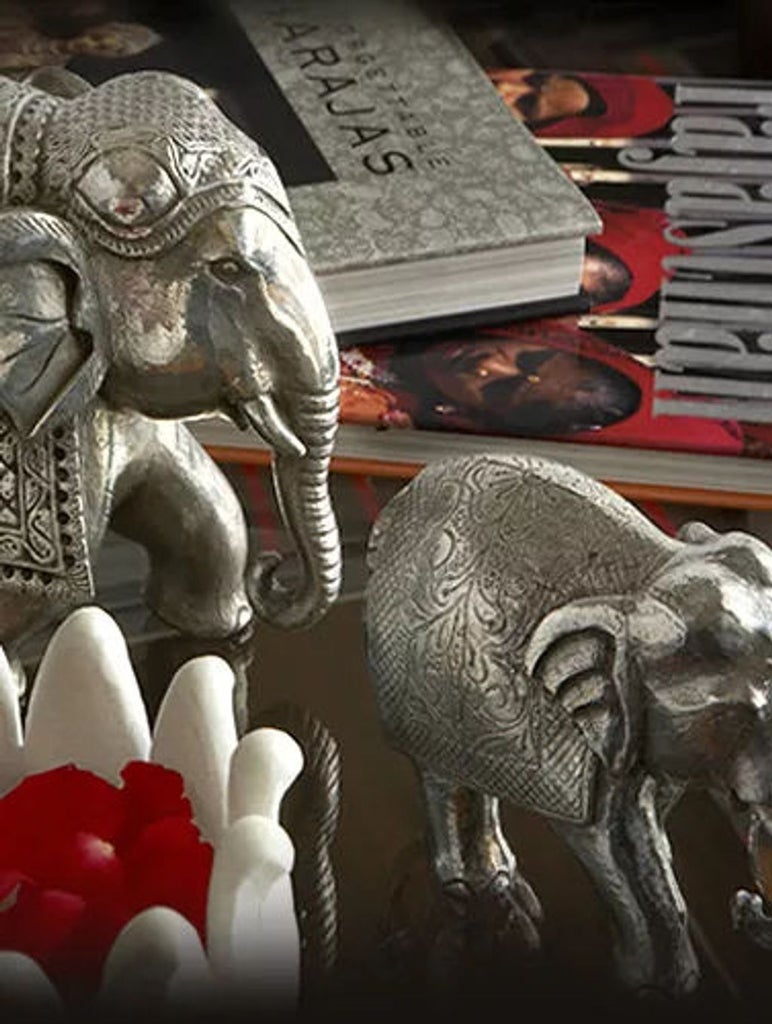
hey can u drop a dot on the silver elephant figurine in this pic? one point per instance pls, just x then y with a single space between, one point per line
533 637
151 271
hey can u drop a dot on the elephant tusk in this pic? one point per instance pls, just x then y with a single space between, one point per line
265 419
759 844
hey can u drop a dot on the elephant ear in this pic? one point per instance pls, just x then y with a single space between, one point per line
579 653
52 359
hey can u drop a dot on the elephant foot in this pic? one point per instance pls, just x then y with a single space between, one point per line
503 913
507 911
750 915
447 953
486 932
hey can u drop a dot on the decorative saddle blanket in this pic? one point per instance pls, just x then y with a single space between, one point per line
43 545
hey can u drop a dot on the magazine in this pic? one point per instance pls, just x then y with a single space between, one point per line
680 171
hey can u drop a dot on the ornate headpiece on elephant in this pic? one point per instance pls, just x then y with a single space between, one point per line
132 163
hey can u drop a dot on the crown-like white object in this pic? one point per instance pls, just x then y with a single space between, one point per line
86 709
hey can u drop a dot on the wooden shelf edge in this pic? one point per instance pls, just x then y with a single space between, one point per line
747 500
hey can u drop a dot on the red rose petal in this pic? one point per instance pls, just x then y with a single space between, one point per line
150 792
10 880
39 921
39 817
79 857
87 865
169 865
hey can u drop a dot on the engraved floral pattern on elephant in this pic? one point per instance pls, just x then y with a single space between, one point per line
42 544
477 561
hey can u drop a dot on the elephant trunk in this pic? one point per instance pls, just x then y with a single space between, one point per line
302 491
752 911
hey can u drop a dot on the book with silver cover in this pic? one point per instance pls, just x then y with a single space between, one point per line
422 196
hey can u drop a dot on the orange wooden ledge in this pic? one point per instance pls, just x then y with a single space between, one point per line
749 501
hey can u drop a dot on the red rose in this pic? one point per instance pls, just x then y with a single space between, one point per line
80 857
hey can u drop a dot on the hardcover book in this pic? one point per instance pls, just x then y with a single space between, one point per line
376 116
411 224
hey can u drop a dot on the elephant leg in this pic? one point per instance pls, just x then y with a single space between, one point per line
475 865
174 501
627 854
158 659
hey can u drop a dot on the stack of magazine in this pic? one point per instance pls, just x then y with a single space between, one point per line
667 379
663 384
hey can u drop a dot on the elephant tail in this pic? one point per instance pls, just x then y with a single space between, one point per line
310 814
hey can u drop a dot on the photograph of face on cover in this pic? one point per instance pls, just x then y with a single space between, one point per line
539 378
622 269
578 105
527 386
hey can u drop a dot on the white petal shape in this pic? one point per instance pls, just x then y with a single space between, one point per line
86 706
264 765
157 961
195 735
24 987
11 749
253 949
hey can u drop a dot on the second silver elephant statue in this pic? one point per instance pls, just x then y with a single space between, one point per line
150 271
532 637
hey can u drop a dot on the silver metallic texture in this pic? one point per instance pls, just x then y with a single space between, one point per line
151 271
532 637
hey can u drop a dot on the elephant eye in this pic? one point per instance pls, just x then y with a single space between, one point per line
229 270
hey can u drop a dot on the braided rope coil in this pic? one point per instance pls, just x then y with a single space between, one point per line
312 812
